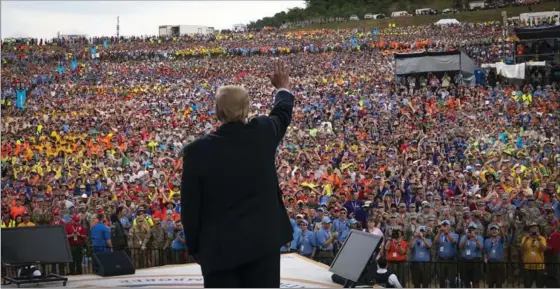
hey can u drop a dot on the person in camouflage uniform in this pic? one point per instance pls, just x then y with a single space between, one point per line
518 225
138 235
157 241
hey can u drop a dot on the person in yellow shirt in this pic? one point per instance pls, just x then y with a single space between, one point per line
26 221
532 248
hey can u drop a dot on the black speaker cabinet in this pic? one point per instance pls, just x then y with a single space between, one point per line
106 264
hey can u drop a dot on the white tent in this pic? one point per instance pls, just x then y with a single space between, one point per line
447 22
516 71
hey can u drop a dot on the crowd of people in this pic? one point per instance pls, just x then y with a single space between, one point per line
444 170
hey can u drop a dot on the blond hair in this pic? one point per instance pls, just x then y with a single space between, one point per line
232 104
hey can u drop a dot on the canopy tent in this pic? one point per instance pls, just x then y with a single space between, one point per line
447 22
424 62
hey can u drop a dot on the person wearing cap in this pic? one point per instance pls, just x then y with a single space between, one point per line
352 225
157 241
471 247
446 246
306 240
76 234
341 223
56 220
494 256
420 269
532 248
324 240
26 221
297 232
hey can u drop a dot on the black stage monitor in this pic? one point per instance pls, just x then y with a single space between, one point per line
33 245
355 255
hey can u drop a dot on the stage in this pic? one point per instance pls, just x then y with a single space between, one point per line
297 272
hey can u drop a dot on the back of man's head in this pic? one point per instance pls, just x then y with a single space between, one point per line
382 263
232 104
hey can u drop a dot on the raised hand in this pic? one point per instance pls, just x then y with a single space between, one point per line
280 77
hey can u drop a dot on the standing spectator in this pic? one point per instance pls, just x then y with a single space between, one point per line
100 235
396 248
421 267
471 246
157 242
533 246
494 256
76 234
179 246
306 242
138 235
446 245
325 241
118 232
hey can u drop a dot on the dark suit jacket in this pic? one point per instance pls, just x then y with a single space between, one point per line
232 207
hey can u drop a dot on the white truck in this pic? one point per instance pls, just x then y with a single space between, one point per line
477 5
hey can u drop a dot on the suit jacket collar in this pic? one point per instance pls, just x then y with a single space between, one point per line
230 127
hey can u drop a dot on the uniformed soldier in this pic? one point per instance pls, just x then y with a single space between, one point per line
157 241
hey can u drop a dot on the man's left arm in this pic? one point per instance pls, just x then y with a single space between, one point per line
191 201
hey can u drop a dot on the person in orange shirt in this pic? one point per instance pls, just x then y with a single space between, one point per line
18 209
396 249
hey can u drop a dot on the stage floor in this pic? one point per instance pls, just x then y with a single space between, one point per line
297 272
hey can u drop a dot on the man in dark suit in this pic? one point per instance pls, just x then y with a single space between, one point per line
230 191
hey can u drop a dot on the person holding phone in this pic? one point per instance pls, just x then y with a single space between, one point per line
471 246
533 246
421 267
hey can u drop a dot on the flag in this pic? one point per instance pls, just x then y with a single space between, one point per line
74 64
374 31
105 43
20 98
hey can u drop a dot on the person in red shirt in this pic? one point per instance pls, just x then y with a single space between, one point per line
76 234
56 219
396 248
552 255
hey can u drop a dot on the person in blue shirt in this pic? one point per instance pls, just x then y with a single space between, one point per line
471 246
352 225
297 233
100 235
306 240
178 246
324 241
420 247
341 223
494 255
446 246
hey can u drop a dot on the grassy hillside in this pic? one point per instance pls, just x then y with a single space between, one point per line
476 16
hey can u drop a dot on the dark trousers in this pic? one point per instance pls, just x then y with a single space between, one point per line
470 272
495 274
447 270
77 256
264 272
534 276
398 268
552 271
421 274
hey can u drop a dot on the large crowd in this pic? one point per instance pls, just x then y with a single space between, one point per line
444 170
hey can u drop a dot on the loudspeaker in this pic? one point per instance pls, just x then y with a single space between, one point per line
106 264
